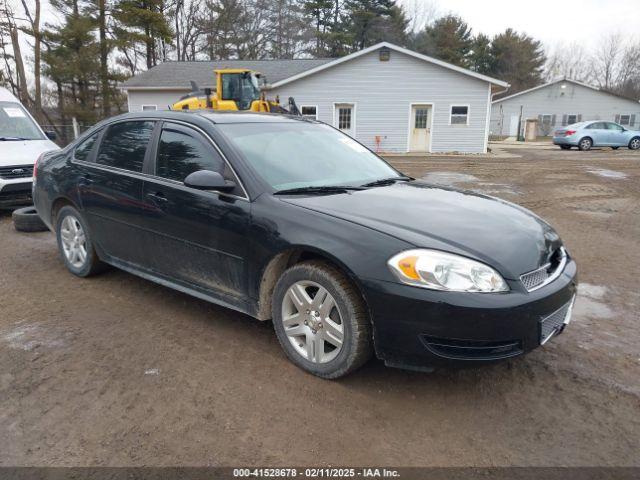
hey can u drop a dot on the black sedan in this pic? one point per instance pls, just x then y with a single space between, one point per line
291 220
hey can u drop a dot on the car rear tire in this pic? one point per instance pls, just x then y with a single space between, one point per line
321 320
634 144
565 147
615 148
75 245
585 144
27 220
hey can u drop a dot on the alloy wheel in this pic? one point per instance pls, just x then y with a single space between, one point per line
74 241
635 144
585 144
312 322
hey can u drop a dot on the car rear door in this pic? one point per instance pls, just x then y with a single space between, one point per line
196 238
598 133
111 190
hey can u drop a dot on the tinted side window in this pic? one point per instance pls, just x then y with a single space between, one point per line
614 126
180 154
124 145
83 150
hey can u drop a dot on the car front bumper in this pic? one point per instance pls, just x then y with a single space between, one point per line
425 329
15 192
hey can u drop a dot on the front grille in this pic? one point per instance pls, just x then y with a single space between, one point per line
17 171
546 273
553 323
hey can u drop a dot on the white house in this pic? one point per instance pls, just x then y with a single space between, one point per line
389 98
559 103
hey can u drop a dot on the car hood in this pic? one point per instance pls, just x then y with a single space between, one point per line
501 234
24 152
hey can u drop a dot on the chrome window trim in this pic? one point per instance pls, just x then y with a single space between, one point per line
556 273
146 176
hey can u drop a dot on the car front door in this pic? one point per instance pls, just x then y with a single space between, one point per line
615 135
196 238
110 189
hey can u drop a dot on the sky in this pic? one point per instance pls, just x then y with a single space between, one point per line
551 21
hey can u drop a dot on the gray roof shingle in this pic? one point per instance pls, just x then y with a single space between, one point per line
180 74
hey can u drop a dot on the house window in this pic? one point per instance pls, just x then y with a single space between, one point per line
149 107
625 120
309 111
344 118
571 119
459 115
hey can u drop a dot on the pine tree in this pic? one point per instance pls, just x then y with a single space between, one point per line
372 21
142 22
517 59
448 38
480 59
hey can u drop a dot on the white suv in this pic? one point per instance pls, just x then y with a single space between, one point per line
21 143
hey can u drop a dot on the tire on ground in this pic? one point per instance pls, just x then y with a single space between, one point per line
27 220
92 264
585 144
357 338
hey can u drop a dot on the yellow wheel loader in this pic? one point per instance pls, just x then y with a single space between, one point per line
237 89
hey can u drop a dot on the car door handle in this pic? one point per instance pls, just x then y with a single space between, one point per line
158 196
86 180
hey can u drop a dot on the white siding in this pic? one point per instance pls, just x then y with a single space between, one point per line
162 99
558 101
383 92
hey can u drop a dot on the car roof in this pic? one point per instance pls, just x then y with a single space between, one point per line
216 117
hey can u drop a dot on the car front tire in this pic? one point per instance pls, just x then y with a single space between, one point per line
75 245
585 144
634 144
321 320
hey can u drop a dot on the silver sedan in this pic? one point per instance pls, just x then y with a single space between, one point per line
586 135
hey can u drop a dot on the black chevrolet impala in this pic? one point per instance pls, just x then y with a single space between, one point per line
291 220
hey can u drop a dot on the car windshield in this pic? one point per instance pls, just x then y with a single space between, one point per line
16 124
299 154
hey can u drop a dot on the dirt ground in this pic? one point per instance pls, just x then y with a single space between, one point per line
116 370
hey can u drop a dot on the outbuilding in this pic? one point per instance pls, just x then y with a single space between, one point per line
560 103
387 97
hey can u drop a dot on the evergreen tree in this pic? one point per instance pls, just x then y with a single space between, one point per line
480 59
448 38
142 22
372 21
517 59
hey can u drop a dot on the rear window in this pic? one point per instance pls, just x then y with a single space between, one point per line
124 145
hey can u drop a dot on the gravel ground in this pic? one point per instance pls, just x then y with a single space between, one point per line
117 371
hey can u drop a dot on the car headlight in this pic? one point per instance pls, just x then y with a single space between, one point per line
445 271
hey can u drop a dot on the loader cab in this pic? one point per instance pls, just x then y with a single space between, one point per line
242 87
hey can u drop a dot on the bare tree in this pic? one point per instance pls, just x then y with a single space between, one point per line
569 61
605 60
421 13
33 19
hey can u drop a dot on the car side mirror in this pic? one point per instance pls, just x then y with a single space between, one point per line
51 135
208 180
